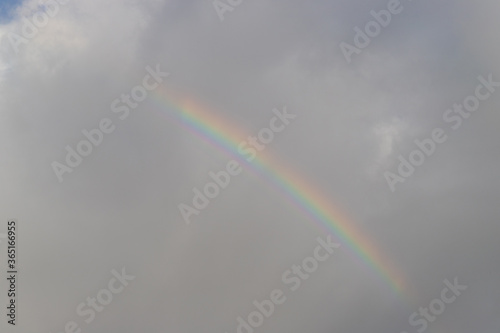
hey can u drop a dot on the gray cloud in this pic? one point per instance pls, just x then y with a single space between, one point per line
119 207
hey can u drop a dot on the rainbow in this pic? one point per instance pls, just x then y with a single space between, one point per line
224 135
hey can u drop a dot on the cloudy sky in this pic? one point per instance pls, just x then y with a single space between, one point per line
359 100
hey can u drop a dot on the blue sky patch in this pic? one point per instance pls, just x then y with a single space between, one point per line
7 8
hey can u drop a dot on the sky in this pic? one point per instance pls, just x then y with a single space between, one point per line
370 125
7 8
